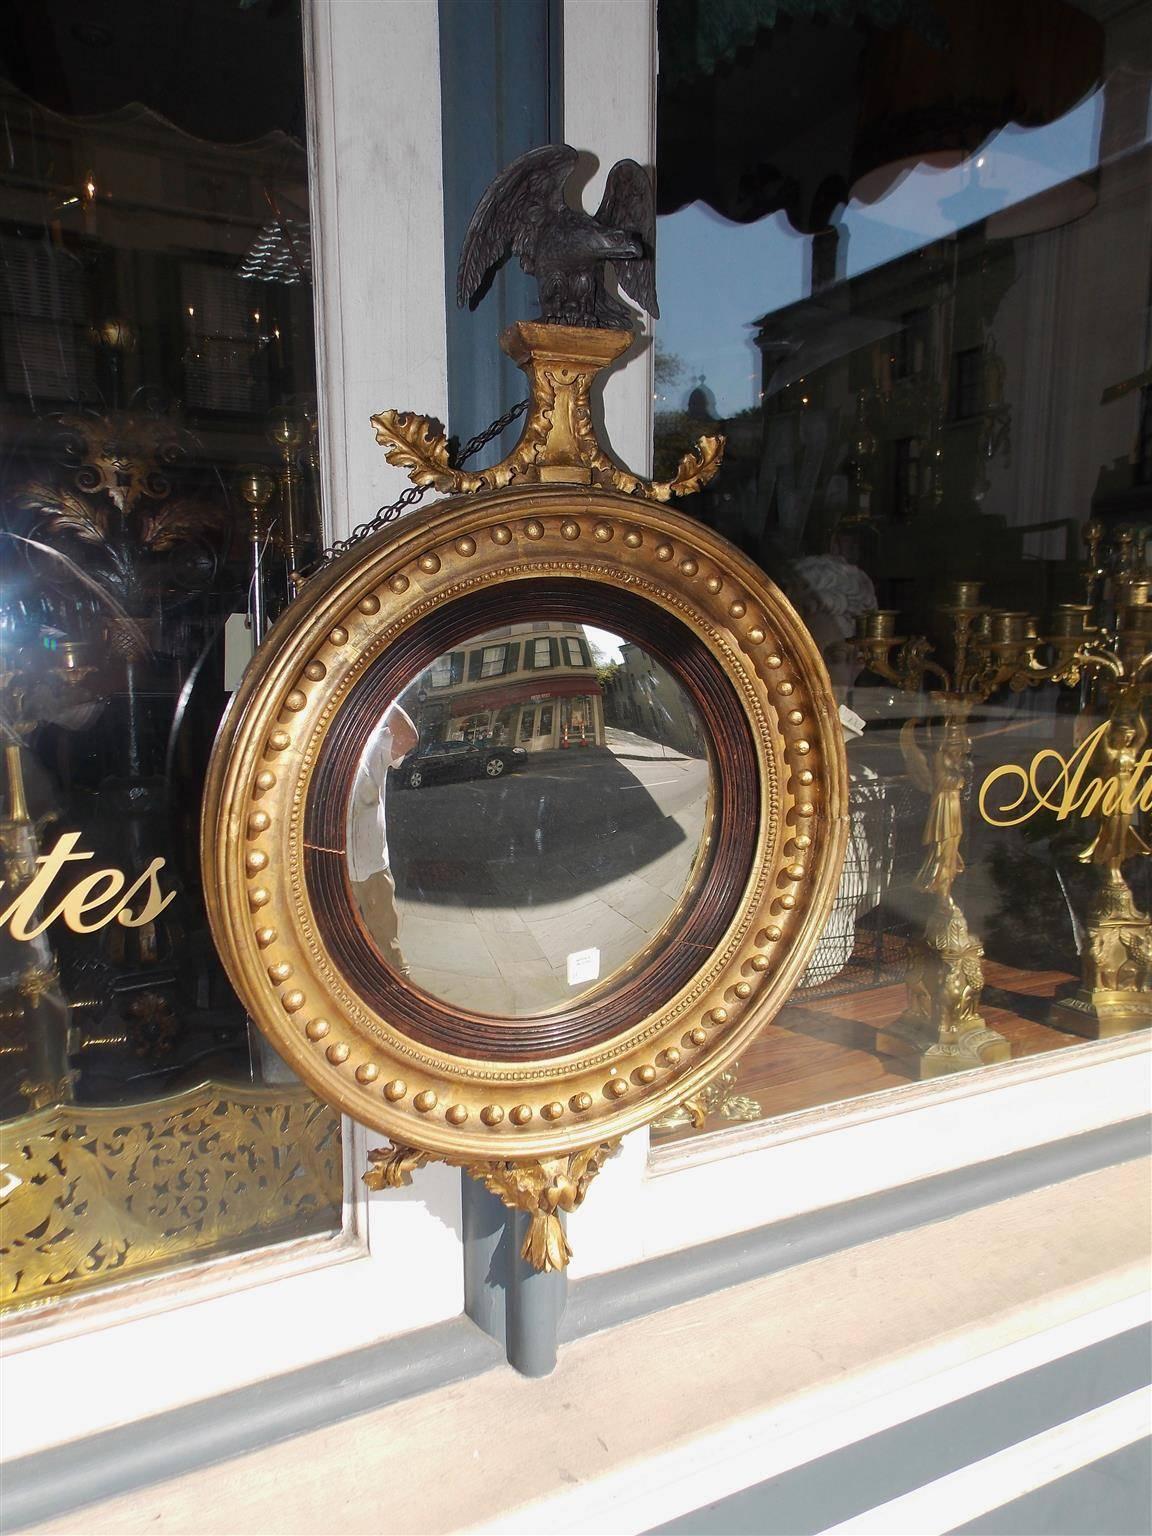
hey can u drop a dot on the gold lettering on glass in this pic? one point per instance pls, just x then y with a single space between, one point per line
91 904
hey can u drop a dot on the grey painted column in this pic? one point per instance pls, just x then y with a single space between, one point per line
513 1303
501 87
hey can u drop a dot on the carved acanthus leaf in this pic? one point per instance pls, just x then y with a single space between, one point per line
543 1189
416 444
694 470
59 510
176 522
393 1166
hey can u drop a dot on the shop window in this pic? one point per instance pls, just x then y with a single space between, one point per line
527 724
44 319
968 391
160 489
937 443
911 356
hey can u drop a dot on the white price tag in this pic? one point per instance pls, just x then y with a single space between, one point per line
583 965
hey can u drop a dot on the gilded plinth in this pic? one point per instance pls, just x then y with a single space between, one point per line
558 445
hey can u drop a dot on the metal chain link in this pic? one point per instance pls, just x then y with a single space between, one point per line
413 494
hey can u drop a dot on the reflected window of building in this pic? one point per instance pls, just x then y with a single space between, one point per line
159 493
492 660
904 268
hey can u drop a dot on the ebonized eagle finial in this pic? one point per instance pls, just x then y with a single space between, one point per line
524 211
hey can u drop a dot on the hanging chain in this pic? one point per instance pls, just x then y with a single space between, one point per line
413 494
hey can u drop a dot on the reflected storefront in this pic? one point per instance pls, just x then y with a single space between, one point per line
930 359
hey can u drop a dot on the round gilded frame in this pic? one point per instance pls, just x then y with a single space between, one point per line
763 912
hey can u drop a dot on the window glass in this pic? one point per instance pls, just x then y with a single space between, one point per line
158 478
440 672
541 653
493 660
903 263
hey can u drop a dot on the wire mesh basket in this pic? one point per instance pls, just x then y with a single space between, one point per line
865 941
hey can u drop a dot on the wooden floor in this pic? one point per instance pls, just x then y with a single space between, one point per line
822 1050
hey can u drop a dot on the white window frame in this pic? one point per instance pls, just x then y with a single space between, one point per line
657 1200
89 1363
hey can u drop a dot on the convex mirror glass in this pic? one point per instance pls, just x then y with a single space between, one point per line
529 817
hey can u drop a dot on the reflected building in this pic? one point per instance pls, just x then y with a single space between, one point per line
643 697
529 685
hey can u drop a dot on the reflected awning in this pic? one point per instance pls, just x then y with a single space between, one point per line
770 105
541 692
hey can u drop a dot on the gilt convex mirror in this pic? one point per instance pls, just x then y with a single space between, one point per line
529 812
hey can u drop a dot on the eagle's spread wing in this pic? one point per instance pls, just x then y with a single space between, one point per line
628 204
509 215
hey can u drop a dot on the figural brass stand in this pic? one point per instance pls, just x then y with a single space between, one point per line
941 1029
1114 995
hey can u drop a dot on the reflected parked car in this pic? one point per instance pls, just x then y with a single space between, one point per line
438 761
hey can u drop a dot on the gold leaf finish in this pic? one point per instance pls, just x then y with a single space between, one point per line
416 444
392 1167
559 442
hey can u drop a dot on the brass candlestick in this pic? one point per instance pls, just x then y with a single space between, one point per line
288 435
257 487
941 1029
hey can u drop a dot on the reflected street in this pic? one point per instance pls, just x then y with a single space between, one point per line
518 894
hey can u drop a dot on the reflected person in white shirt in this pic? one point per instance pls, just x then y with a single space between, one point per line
368 866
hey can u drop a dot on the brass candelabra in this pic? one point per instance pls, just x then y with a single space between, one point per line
941 1029
1114 994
